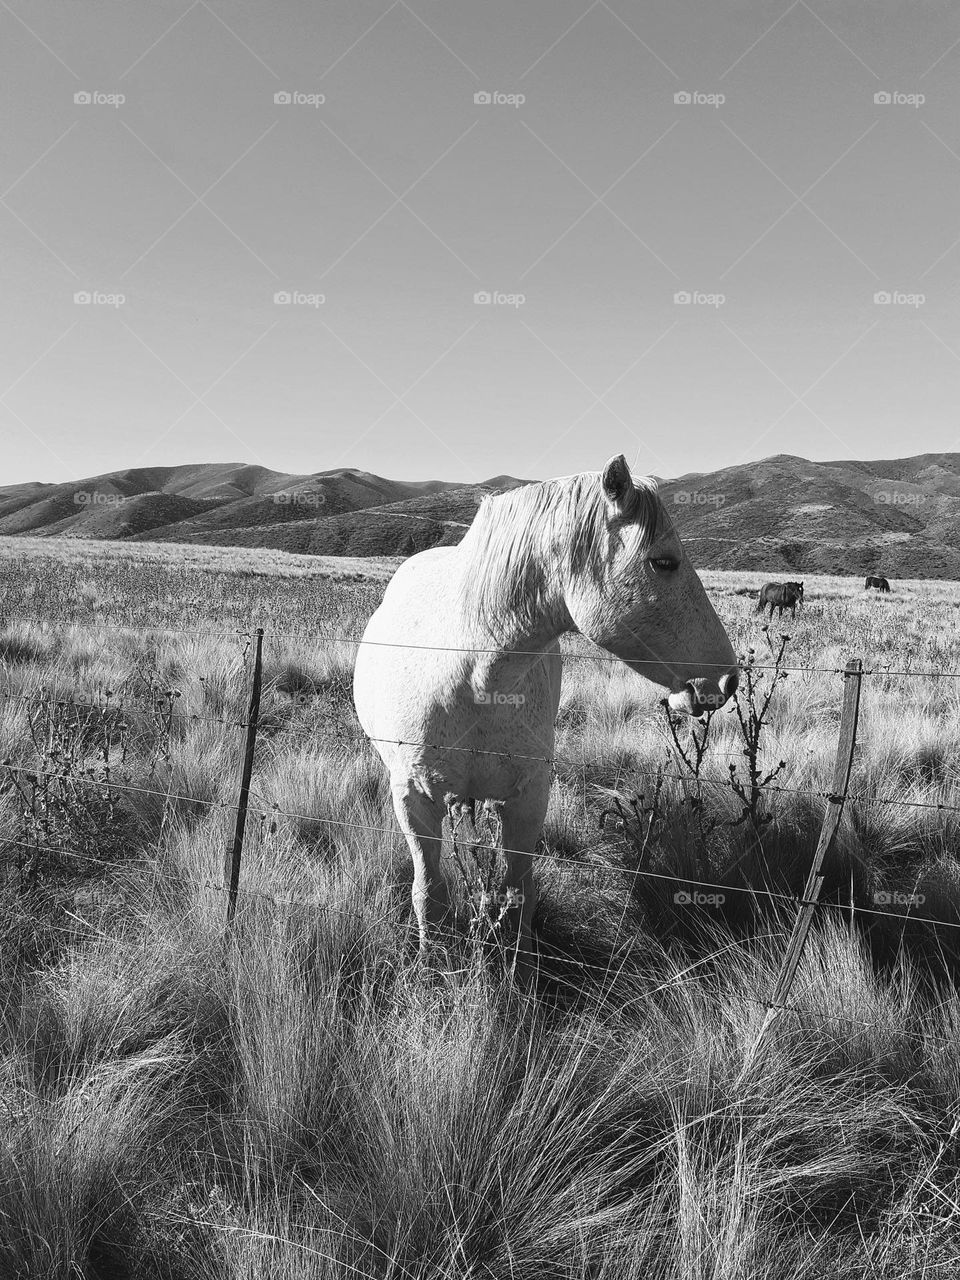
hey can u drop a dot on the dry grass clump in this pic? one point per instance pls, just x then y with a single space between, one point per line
188 1103
22 644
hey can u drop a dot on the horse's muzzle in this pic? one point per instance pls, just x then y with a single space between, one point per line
699 696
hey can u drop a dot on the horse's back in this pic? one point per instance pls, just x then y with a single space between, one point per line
408 644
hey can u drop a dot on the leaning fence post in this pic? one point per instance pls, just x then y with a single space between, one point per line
852 678
232 868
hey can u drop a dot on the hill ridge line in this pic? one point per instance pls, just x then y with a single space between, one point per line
782 514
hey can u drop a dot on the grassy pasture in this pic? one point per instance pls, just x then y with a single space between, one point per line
300 1100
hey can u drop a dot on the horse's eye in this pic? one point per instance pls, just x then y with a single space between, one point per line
664 564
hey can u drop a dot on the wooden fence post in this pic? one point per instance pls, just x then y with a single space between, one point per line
232 868
852 678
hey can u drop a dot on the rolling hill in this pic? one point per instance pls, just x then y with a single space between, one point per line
784 514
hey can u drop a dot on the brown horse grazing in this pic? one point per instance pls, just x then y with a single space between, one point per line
780 595
881 584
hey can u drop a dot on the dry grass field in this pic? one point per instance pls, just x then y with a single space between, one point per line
297 1098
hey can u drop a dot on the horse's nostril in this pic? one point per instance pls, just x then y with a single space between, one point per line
697 704
729 684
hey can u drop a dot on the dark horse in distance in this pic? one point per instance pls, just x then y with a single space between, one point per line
881 584
781 595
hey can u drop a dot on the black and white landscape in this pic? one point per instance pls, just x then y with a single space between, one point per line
479 640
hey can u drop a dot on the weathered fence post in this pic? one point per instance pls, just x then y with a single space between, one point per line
232 868
852 678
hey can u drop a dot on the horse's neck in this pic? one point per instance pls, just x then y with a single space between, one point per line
525 632
531 635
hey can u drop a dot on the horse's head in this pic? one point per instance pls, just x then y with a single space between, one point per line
639 597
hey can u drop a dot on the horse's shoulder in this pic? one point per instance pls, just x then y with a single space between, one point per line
424 564
432 555
420 596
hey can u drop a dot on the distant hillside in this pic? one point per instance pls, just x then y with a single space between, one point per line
783 515
405 527
236 505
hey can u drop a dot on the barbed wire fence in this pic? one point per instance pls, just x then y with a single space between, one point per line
807 904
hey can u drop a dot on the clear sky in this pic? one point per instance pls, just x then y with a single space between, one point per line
782 197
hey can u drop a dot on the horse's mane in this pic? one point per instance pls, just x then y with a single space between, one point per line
520 538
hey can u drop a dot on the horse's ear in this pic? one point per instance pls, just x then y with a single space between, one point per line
618 485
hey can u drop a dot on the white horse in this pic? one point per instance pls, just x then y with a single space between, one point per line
462 658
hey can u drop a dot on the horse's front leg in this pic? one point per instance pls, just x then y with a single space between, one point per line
421 821
522 818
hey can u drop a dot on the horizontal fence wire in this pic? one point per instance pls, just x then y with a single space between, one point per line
690 780
266 809
247 633
611 970
921 1036
326 735
90 702
686 779
308 633
36 847
241 634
